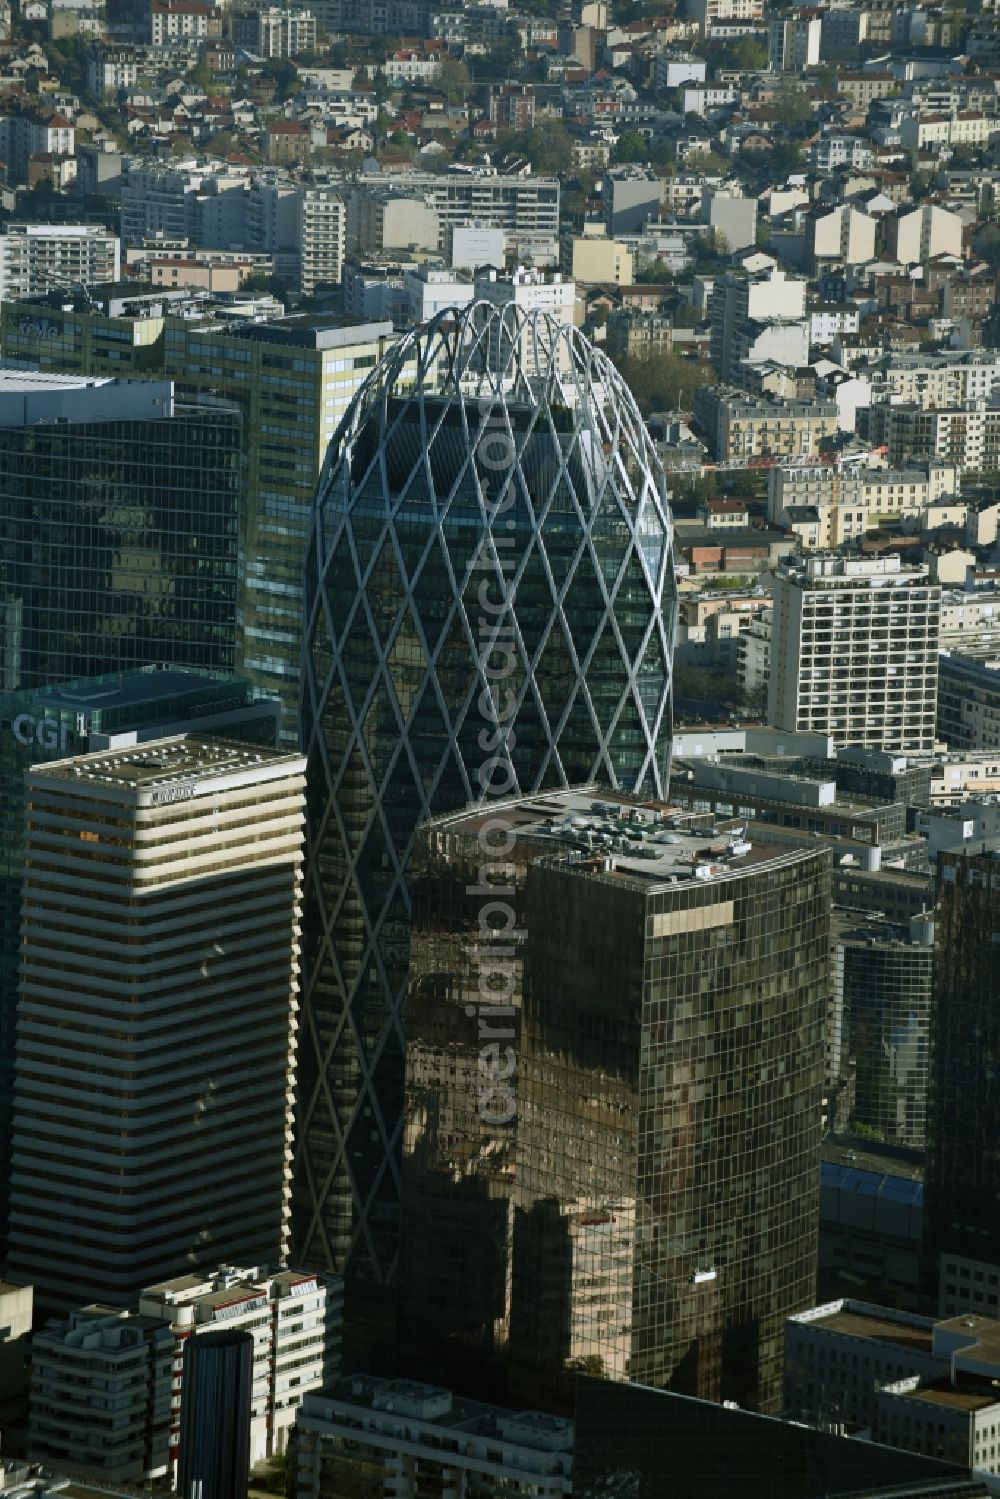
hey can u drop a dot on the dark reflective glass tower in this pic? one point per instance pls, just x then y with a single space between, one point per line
884 985
119 528
490 546
962 1184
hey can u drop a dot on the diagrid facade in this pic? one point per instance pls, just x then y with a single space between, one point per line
490 606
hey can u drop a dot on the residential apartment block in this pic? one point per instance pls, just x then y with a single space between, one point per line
294 1318
935 380
969 701
107 1387
55 257
272 32
965 433
739 426
755 317
402 1439
844 502
854 651
101 1391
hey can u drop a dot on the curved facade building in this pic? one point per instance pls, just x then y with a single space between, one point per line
490 608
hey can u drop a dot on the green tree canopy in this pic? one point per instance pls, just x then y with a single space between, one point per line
549 148
455 80
664 381
632 146
748 53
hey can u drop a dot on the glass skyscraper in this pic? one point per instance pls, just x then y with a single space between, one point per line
962 1186
119 520
883 987
646 1205
490 546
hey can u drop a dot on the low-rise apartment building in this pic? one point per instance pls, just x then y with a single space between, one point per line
966 433
101 1360
38 258
848 501
936 379
735 425
404 1439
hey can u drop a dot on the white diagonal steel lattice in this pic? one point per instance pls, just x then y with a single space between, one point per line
416 521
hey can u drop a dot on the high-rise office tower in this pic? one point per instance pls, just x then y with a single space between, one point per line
669 1085
70 718
291 378
156 1024
119 514
614 1165
883 993
490 606
854 651
962 1185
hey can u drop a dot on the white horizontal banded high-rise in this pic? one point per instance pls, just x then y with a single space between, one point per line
157 1016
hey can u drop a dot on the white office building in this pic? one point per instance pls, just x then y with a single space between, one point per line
914 1383
854 651
156 1030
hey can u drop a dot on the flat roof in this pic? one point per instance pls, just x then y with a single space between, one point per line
130 688
181 759
981 1335
313 331
14 381
969 1395
877 1329
472 1417
641 840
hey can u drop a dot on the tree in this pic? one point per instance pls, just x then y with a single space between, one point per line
790 106
632 146
987 245
455 80
499 64
704 162
747 53
664 381
550 150
222 143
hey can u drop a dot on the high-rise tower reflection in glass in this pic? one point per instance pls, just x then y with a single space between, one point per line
490 540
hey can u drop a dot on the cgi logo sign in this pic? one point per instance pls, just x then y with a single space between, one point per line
45 732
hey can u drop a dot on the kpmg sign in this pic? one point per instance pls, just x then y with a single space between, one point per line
48 733
28 328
